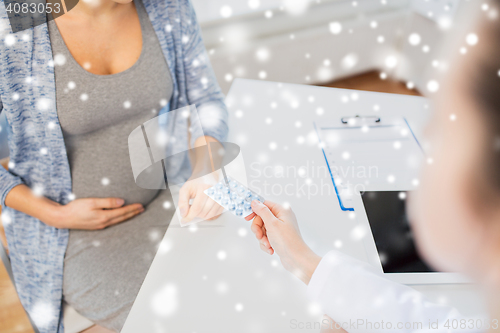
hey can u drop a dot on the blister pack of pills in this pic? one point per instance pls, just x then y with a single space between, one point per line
236 197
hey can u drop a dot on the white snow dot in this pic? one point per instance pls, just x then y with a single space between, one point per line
262 54
298 124
391 179
391 61
84 97
432 86
43 314
43 104
346 155
59 59
238 113
38 190
383 76
71 196
453 117
226 11
397 144
167 204
273 145
426 48
105 181
71 85
222 287
15 96
485 6
168 28
358 232
376 107
335 28
238 307
96 243
163 102
410 85
337 244
414 39
472 39
228 77
262 75
349 61
11 165
165 301
402 195
44 151
380 39
320 111
430 160
127 104
415 182
463 50
221 255
269 120
268 14
373 24
242 232
87 65
10 40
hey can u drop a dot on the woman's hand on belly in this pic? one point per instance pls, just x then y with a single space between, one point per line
85 213
94 213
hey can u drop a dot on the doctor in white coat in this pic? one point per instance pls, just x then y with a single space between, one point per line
455 214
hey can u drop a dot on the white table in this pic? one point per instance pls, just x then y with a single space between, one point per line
190 289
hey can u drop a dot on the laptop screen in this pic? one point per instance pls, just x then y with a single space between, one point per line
386 212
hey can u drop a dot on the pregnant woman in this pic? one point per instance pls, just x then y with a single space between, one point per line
78 227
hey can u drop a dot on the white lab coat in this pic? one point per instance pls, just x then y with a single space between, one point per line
360 299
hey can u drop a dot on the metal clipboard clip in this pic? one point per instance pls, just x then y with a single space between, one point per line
357 119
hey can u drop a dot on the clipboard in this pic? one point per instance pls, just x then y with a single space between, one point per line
365 153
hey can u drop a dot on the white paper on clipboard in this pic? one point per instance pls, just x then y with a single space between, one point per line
368 155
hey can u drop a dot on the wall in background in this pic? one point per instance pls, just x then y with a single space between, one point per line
321 42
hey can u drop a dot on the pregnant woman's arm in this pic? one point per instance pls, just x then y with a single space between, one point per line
85 213
205 93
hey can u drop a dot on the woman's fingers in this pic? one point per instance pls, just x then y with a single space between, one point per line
209 208
197 206
107 203
184 196
124 217
118 212
215 211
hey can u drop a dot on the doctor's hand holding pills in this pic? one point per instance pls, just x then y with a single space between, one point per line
277 230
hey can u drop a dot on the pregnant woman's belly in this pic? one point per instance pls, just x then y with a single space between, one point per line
100 164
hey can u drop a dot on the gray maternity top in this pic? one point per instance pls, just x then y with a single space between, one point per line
104 269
